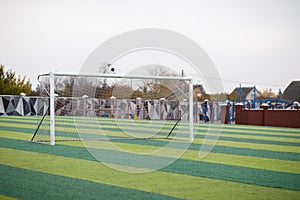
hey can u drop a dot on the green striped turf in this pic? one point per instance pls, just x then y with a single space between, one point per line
250 140
194 146
108 127
259 139
243 138
195 167
181 167
265 131
171 184
27 184
226 128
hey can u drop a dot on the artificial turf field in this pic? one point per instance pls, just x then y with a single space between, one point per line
248 162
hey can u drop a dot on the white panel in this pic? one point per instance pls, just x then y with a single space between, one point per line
1 106
10 107
19 107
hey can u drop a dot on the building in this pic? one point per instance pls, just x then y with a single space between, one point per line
244 93
292 92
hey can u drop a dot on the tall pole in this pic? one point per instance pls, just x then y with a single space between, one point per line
254 97
240 93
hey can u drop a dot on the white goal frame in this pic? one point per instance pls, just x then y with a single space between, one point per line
52 76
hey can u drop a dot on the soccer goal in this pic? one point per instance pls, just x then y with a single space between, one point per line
114 107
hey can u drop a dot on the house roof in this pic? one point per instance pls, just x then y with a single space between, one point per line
244 92
292 92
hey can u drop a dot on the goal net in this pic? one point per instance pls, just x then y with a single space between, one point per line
114 107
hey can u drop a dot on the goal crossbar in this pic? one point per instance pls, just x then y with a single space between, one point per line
117 76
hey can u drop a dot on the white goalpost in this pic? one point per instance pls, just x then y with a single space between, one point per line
114 106
52 110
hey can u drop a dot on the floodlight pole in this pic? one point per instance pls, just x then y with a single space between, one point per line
52 110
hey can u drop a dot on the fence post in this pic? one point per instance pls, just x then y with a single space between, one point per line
161 108
233 112
228 112
139 108
225 116
265 107
212 115
205 109
239 119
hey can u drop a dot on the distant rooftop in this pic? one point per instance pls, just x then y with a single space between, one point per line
292 92
245 91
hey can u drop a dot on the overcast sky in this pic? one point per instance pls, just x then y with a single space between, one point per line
255 41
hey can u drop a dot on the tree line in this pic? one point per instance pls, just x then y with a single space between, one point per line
11 84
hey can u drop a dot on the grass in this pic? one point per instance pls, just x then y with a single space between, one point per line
248 162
